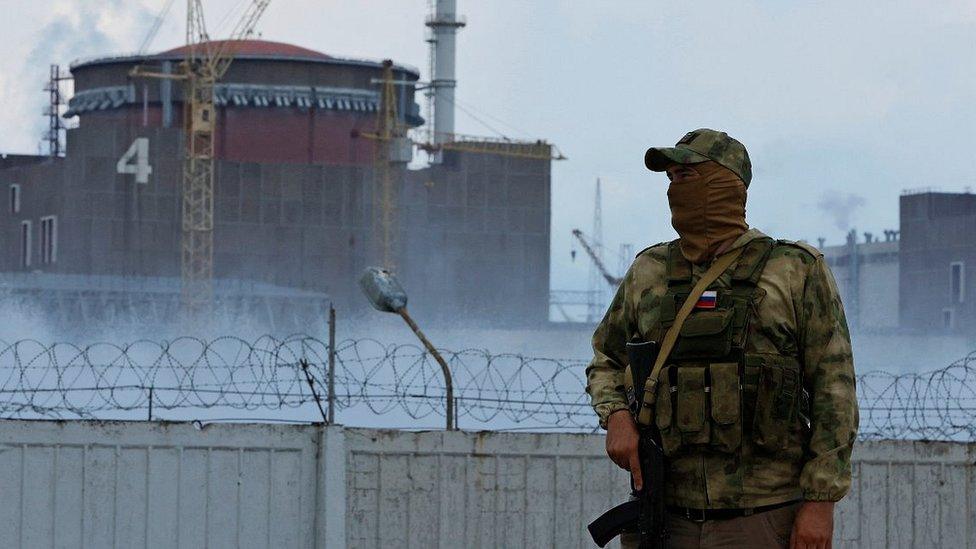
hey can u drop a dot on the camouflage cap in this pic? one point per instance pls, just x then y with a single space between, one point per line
702 145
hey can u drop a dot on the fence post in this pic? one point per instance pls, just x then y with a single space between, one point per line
331 374
330 509
150 401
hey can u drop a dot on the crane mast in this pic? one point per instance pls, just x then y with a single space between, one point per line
390 136
196 261
392 146
204 64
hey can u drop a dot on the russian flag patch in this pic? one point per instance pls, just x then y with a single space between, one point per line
708 300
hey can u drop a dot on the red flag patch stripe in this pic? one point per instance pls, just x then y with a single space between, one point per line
708 300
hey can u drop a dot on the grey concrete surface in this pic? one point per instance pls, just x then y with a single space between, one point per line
137 484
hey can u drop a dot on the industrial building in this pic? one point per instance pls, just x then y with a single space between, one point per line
295 193
867 274
912 280
937 295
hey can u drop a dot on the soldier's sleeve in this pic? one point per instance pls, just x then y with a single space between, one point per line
605 374
829 377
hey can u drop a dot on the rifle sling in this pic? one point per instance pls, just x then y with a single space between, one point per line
719 266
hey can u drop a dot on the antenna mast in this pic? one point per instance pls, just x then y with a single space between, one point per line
596 287
53 112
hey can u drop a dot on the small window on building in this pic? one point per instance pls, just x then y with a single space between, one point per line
15 198
948 319
957 281
49 239
25 243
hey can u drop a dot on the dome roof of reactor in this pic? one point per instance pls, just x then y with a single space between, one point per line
258 50
254 48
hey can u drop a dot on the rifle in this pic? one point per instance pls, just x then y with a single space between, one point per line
645 514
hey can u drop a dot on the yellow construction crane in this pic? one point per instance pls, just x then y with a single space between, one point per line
393 146
538 150
205 62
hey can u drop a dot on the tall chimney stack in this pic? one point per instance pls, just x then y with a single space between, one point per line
444 24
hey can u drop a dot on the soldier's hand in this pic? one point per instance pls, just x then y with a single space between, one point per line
622 442
813 527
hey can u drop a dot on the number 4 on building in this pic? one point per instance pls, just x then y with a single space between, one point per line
139 151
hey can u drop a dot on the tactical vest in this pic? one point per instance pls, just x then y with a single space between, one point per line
712 392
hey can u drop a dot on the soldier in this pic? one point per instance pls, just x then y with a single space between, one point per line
755 404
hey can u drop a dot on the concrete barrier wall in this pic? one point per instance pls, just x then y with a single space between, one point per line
115 484
439 489
910 494
125 485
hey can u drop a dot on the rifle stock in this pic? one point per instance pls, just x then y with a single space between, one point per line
622 518
645 514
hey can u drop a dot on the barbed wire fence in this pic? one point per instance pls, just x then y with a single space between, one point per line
262 380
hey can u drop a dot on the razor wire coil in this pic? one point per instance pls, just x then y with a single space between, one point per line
109 381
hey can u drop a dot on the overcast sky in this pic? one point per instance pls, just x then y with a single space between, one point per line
841 104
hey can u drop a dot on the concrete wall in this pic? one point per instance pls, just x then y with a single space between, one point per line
871 300
103 485
910 494
473 240
936 231
75 484
437 489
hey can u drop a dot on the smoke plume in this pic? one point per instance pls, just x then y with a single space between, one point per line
76 30
841 207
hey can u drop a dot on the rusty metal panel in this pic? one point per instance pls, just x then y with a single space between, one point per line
112 484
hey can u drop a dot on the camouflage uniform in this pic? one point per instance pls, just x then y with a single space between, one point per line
798 314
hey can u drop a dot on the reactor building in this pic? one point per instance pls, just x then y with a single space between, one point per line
94 234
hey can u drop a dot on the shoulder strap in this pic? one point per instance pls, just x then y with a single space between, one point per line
718 267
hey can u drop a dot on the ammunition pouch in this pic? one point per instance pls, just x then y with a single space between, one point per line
705 334
726 402
700 405
778 400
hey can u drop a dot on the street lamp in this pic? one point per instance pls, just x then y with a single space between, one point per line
387 295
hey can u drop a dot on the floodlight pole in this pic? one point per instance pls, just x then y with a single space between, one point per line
448 383
385 294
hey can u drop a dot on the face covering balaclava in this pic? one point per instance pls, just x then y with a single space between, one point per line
707 210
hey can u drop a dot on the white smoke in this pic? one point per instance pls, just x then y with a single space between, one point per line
71 30
841 207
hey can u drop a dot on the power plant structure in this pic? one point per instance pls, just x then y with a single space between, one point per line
310 151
